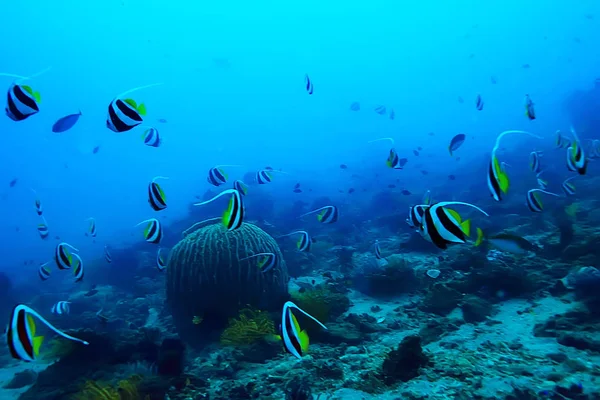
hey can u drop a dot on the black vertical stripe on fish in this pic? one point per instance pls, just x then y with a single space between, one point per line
119 125
11 109
292 334
493 183
155 197
22 333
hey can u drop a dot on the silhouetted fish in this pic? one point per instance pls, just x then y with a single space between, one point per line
355 106
65 123
13 182
343 166
95 150
406 192
415 152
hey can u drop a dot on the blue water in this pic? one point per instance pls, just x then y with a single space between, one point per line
233 93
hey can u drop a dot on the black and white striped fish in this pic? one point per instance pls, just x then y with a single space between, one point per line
42 229
415 215
394 161
266 262
443 226
78 268
233 217
22 102
107 255
151 137
562 142
21 339
153 233
161 262
576 160
44 272
529 109
91 228
328 214
479 102
304 243
156 196
295 340
377 250
216 176
263 177
309 85
240 187
533 200
542 183
61 307
62 256
534 161
568 187
125 114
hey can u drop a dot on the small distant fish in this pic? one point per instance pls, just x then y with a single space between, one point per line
355 106
153 233
493 80
416 153
38 204
452 177
576 159
61 307
309 85
266 261
343 166
295 340
456 142
394 161
479 103
42 229
542 184
65 123
419 148
296 186
44 272
156 196
107 255
525 66
92 228
263 177
377 250
297 190
13 182
406 192
506 242
305 241
351 190
151 137
424 172
534 161
95 149
381 110
196 320
63 256
533 200
529 109
392 113
161 262
431 133
327 215
461 100
240 187
562 142
101 317
162 120
568 187
391 186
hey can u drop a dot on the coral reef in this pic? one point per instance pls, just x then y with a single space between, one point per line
250 327
394 277
322 303
404 363
205 278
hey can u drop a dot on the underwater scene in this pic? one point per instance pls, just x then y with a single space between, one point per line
300 200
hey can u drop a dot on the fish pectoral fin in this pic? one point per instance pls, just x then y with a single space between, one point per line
37 343
479 239
304 341
465 226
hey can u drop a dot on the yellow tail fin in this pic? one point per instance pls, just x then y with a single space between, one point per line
465 226
479 237
37 343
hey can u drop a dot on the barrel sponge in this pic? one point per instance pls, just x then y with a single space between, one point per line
205 277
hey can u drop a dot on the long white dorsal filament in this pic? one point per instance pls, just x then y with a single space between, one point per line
223 193
49 325
293 233
138 88
257 255
385 138
460 203
543 191
289 304
148 220
314 211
